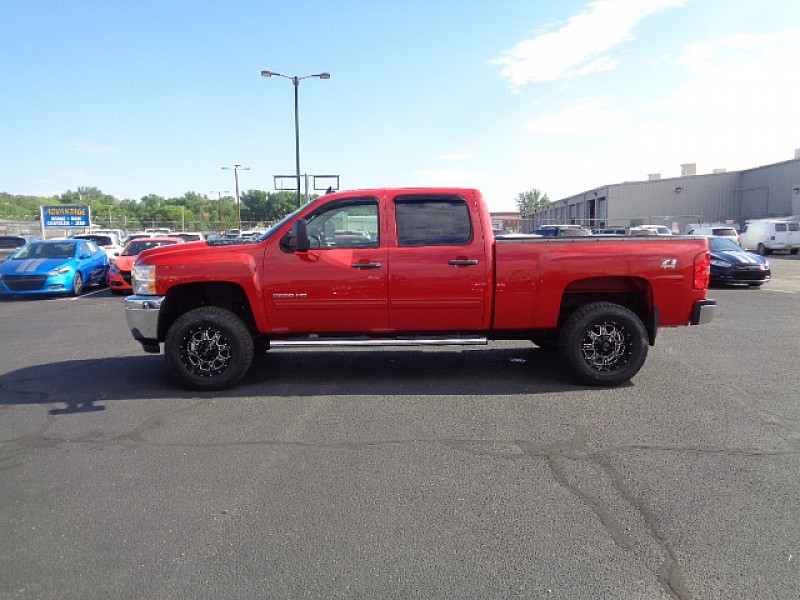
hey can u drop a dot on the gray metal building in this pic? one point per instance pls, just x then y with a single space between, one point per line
731 197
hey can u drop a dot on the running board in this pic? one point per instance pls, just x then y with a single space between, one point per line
360 342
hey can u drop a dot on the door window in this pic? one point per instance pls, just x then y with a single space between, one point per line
432 221
346 224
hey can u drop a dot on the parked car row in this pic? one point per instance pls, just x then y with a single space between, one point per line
580 231
67 266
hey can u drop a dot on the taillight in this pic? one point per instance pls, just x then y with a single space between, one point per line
702 270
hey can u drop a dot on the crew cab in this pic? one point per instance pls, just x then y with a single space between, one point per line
409 267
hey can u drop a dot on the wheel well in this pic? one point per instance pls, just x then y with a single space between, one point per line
183 298
632 293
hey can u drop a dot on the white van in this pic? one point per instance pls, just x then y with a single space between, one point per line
765 235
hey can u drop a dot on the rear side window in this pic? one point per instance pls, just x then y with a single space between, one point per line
794 226
11 242
432 221
780 226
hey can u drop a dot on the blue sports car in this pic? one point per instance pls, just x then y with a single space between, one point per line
53 267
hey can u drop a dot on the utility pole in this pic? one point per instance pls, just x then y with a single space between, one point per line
235 169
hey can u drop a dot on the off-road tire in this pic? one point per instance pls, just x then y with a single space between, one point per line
605 344
208 348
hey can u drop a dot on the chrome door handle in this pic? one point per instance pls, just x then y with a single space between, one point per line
463 262
366 265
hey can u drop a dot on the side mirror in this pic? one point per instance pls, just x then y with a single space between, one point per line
297 239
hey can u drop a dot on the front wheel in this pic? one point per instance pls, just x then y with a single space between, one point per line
604 343
208 348
77 284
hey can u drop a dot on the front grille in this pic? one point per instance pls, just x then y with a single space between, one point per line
24 283
749 273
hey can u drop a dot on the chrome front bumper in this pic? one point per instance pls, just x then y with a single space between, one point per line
141 313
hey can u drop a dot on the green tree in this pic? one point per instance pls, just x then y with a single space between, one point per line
531 199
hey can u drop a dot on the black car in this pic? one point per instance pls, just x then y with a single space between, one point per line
730 263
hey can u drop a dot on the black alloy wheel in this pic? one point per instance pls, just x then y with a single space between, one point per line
208 348
604 343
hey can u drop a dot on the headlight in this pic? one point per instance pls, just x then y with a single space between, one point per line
144 279
114 268
720 263
59 271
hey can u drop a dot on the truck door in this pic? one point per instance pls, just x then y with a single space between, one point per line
437 265
340 283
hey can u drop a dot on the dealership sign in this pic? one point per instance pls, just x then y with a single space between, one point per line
65 216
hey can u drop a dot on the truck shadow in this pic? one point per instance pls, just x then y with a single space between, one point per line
486 371
81 386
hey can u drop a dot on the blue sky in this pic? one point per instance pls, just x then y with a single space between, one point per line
154 97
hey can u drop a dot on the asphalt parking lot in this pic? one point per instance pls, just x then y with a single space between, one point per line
434 473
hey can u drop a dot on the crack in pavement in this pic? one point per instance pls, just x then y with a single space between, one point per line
611 507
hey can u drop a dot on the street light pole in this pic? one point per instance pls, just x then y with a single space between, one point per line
296 81
235 169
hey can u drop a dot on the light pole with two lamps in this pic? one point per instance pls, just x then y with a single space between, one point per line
296 81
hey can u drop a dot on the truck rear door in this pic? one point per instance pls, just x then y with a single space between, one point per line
438 271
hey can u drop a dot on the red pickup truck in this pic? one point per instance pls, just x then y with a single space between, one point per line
412 267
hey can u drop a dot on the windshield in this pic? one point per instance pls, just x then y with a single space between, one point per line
140 246
724 244
269 232
100 240
60 250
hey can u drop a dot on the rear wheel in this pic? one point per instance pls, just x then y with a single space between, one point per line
208 348
604 343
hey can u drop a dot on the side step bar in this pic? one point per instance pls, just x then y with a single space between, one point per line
399 341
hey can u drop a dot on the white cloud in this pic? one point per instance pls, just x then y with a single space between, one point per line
586 119
455 157
92 148
742 99
579 47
